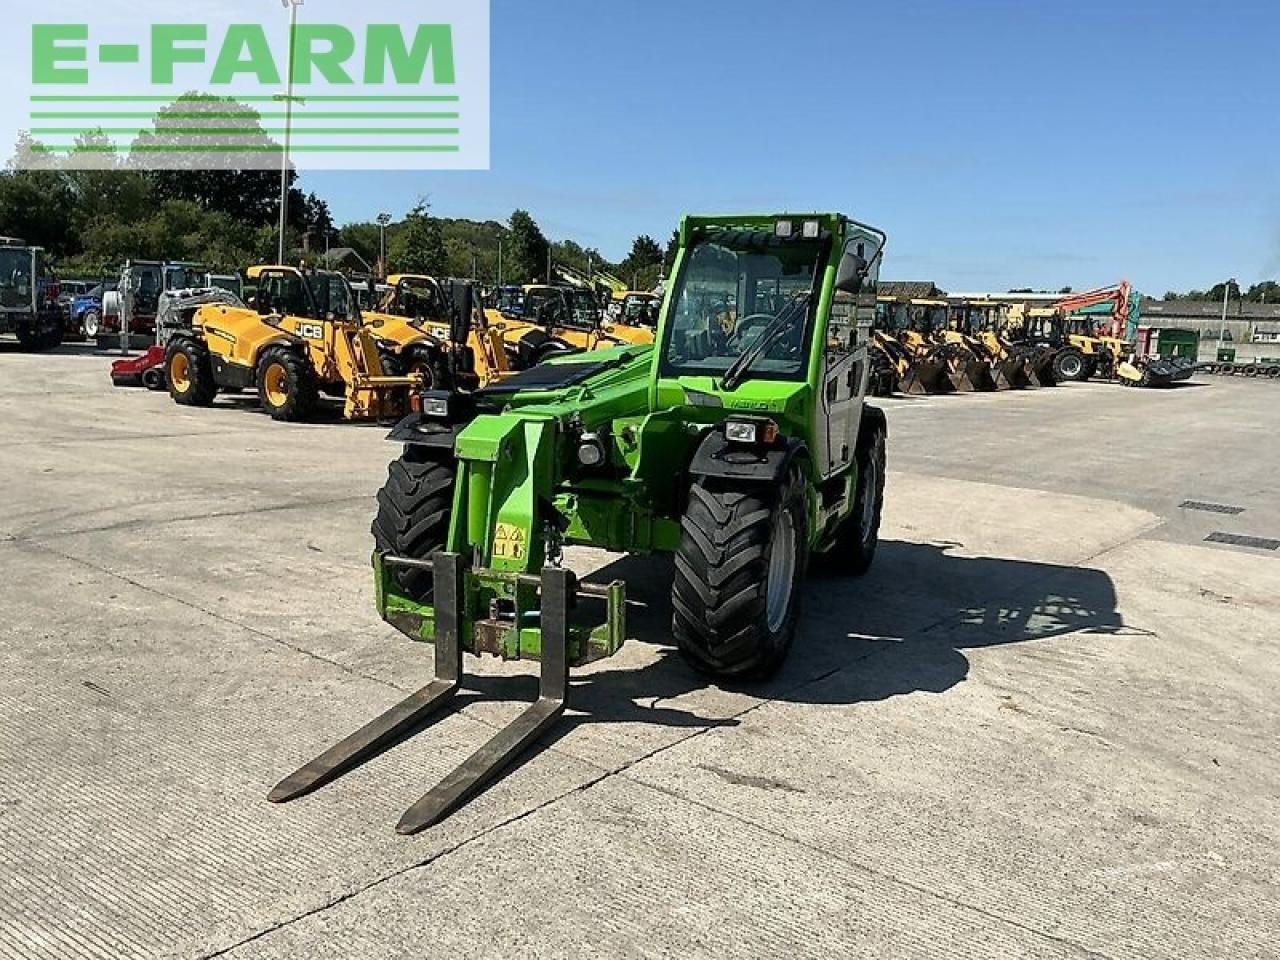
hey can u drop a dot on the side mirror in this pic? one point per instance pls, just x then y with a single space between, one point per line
852 272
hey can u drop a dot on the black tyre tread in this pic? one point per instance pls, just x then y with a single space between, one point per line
414 507
720 583
305 395
203 387
850 555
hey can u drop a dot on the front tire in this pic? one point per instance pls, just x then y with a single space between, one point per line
91 325
414 507
739 570
189 373
287 385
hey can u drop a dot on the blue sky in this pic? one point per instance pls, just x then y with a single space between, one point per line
999 143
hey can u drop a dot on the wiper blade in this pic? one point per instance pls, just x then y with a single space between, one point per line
768 337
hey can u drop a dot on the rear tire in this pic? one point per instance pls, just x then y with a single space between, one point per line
1069 364
91 324
189 373
287 385
414 507
859 535
739 571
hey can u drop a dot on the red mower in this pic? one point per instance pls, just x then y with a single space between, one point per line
144 371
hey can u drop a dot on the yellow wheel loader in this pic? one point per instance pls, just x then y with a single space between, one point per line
412 326
976 321
303 337
902 341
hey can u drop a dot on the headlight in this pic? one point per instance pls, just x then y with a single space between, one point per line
784 229
591 450
751 431
811 229
434 405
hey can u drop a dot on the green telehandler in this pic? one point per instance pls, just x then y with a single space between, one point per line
739 442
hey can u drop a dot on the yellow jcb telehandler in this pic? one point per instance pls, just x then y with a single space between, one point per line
304 336
575 316
412 326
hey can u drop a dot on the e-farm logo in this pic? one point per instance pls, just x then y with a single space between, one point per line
407 89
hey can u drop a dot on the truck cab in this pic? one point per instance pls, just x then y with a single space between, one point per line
29 295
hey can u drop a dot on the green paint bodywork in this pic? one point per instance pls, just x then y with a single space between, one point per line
514 466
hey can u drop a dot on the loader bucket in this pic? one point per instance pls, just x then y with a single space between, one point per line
971 375
926 377
1009 374
1039 369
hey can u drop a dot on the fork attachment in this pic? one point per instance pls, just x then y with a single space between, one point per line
479 770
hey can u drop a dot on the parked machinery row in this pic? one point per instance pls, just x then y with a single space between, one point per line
303 336
931 346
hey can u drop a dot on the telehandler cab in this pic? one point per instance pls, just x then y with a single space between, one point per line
743 454
304 336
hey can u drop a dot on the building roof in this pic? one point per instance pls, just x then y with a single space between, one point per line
911 289
1210 310
340 254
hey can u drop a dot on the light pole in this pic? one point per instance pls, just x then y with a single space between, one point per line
383 220
1226 299
292 6
499 261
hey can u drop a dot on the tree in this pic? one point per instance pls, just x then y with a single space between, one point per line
643 264
245 186
1218 290
1268 291
526 259
1066 290
419 246
1170 295
673 248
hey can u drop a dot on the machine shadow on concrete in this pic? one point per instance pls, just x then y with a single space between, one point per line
901 629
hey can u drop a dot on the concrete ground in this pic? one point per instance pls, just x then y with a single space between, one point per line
1045 725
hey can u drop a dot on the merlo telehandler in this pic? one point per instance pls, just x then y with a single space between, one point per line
304 336
743 454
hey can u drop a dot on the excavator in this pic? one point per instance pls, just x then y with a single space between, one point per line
1102 348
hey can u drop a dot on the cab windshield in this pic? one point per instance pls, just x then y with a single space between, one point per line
734 289
332 295
15 278
586 309
419 299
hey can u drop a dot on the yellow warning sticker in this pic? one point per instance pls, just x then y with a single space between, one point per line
509 542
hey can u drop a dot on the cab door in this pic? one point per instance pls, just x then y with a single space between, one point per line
846 363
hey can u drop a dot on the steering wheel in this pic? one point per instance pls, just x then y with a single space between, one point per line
746 323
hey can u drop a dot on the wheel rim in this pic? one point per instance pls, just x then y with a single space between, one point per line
423 369
1071 366
180 372
870 481
782 567
90 324
275 384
